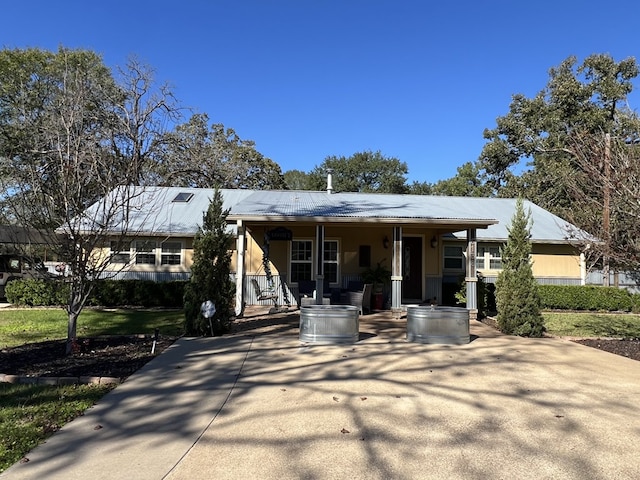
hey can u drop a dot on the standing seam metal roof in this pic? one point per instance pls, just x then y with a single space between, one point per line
154 212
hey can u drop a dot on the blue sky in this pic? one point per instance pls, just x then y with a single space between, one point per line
416 80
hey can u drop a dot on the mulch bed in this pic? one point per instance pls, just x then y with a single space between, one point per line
112 356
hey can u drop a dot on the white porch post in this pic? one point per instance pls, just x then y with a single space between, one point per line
319 263
240 269
472 278
396 271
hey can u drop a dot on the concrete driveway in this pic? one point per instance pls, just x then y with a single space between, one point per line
258 404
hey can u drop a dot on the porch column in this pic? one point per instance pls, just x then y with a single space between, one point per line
240 269
396 271
472 278
319 263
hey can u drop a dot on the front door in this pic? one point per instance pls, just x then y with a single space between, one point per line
411 269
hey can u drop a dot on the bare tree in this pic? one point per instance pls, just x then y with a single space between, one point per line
72 143
606 196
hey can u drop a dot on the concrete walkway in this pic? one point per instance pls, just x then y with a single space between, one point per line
259 405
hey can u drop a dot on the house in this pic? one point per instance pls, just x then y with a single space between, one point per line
428 244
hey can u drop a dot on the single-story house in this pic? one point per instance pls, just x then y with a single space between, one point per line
286 239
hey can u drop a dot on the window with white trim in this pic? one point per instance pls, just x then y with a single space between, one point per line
489 258
145 252
120 252
453 257
331 261
171 253
301 260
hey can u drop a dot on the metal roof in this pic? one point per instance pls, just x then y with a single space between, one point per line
154 212
545 226
308 205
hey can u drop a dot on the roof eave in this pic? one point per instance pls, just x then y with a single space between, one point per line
480 223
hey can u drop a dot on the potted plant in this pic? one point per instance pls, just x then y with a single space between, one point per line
379 276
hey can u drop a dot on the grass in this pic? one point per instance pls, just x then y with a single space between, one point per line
18 327
31 413
590 324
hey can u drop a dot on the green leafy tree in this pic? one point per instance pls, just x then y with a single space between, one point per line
517 297
420 188
585 99
296 180
468 182
71 134
581 106
361 172
196 155
210 273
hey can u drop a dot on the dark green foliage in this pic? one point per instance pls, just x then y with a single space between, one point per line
139 293
486 296
587 297
106 293
210 274
517 297
361 172
34 292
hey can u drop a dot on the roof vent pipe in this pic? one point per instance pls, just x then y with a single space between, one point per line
329 180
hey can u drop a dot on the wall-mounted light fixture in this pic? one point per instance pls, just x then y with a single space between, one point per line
434 242
385 242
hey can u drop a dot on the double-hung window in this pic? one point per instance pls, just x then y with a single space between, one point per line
145 252
489 258
301 260
331 261
170 253
120 252
453 258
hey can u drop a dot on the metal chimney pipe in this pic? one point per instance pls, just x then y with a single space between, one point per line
329 180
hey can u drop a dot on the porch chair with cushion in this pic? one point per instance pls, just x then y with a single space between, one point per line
360 299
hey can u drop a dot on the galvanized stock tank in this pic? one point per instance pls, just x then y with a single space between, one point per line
445 325
329 323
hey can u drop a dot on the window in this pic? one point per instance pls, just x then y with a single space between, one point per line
489 258
301 260
183 197
453 257
364 256
331 261
145 253
171 253
120 252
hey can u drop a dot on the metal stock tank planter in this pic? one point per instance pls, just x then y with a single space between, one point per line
329 323
445 325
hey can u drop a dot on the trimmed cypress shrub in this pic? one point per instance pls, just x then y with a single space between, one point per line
517 297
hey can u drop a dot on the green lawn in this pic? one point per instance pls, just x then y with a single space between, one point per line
36 325
589 324
30 413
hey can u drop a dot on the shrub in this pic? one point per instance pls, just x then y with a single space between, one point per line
587 297
106 293
139 293
210 274
517 297
486 296
37 292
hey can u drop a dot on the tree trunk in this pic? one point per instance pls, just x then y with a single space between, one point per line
74 309
71 332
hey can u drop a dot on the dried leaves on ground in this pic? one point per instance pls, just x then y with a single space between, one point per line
112 356
120 356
